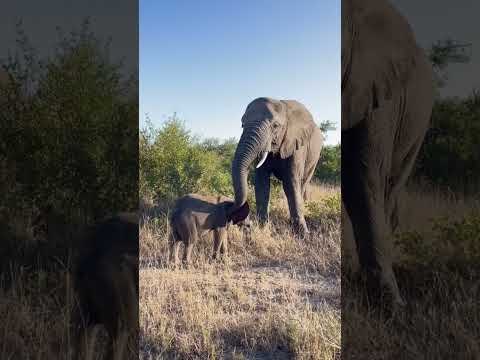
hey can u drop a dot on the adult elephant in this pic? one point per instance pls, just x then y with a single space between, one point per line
284 135
387 97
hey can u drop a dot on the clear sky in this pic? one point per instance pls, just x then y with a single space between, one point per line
206 60
115 19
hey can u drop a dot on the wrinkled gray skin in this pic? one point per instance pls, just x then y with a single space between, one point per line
194 215
387 97
286 132
106 285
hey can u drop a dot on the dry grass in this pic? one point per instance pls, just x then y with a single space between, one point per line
441 320
417 207
37 303
277 297
35 321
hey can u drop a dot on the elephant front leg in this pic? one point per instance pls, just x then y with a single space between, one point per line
220 243
363 189
293 191
262 194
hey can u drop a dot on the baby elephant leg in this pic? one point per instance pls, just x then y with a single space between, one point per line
187 256
216 245
220 243
175 248
224 247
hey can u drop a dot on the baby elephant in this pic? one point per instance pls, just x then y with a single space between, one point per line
194 215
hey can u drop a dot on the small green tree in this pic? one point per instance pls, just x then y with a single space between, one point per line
329 167
173 163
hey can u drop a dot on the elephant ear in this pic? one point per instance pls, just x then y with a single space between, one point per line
377 60
238 215
300 126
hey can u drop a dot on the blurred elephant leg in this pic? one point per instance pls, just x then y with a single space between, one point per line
174 246
401 168
293 191
187 255
361 185
175 249
216 245
350 260
118 347
191 240
393 212
86 343
262 194
224 243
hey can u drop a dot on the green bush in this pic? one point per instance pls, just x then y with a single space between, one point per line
329 207
451 245
329 167
173 163
449 156
69 126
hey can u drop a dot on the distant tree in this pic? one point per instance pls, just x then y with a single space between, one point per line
329 167
326 126
446 52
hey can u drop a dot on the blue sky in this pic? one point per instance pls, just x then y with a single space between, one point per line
206 60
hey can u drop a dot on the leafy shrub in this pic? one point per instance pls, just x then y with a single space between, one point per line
450 156
451 245
69 129
328 208
173 163
329 167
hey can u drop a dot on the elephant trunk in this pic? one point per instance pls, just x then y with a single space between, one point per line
251 144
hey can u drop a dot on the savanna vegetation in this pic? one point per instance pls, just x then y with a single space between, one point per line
274 297
68 149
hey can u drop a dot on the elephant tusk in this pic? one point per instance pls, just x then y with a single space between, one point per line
264 157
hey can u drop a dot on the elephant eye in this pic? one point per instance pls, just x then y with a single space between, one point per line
276 125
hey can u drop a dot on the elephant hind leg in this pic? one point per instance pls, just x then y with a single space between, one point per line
401 170
174 240
363 189
190 239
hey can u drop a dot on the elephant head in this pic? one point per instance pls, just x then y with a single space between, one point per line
277 127
226 213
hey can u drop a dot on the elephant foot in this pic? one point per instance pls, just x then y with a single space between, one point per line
300 228
382 291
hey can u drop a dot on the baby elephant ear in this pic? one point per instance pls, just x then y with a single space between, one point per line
239 214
